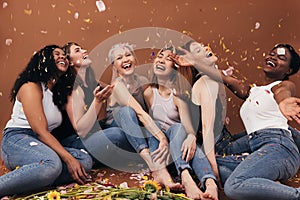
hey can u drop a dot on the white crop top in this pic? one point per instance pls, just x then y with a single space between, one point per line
53 115
261 111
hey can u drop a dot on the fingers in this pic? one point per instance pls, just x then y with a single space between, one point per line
104 93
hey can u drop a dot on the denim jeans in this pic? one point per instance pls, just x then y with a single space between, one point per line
111 148
126 119
238 143
275 157
38 165
199 164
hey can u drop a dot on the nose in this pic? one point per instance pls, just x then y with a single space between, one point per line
62 55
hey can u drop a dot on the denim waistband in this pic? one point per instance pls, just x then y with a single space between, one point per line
270 131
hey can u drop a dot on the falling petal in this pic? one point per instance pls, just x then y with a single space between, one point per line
27 11
100 6
76 15
4 5
88 20
8 42
257 25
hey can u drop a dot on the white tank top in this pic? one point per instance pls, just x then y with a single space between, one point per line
163 110
261 111
53 115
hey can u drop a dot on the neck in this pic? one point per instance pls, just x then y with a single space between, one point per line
81 71
164 81
129 79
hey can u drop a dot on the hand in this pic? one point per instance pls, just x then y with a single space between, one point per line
290 108
77 171
161 154
102 95
188 147
183 60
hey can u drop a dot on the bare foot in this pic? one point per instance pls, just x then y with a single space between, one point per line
211 191
191 189
163 177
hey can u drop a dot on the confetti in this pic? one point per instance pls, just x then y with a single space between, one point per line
100 6
88 20
33 143
76 15
257 25
4 5
281 51
8 42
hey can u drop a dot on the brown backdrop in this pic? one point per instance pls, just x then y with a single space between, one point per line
240 32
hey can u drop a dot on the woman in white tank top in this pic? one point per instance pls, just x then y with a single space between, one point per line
27 143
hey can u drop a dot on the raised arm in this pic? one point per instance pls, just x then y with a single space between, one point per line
81 117
238 87
288 104
30 95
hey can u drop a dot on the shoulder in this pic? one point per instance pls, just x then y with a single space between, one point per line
32 89
205 85
148 92
286 85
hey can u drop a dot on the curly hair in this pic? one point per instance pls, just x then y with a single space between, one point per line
40 69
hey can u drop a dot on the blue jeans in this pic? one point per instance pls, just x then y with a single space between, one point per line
199 164
111 148
275 157
127 120
39 165
238 143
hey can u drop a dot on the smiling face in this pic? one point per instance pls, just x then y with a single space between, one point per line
78 56
203 52
60 59
124 61
278 63
163 65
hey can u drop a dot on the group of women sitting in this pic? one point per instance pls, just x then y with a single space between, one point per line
64 121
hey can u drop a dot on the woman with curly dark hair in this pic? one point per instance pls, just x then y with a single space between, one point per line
34 156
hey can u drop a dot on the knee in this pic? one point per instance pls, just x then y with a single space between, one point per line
231 188
126 111
51 170
178 129
84 158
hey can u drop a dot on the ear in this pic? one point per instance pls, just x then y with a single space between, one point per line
289 71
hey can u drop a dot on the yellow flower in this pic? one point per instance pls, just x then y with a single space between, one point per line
152 186
53 195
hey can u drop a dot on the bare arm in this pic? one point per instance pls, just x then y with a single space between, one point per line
189 145
238 87
288 104
83 119
30 95
204 93
124 98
